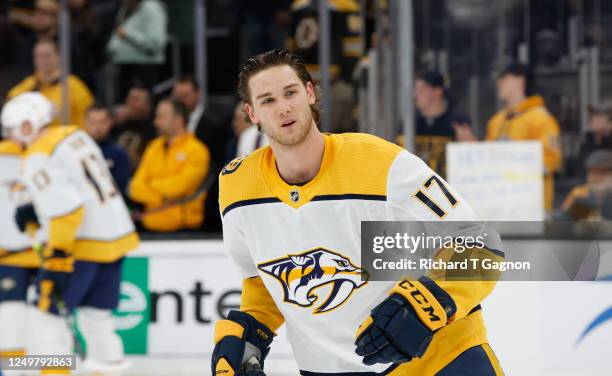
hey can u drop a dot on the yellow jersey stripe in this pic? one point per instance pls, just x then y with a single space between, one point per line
494 362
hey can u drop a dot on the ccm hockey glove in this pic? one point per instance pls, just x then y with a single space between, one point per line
402 326
241 346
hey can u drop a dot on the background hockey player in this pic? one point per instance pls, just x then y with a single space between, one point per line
18 263
89 232
291 222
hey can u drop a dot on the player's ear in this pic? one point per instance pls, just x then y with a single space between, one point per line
310 93
251 113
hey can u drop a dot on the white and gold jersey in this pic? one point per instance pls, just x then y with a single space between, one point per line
65 172
298 249
11 195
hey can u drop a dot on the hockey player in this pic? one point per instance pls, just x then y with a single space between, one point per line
89 232
18 263
291 223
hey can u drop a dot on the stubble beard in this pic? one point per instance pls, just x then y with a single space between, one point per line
295 138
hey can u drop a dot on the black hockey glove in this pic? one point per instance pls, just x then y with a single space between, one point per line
402 326
241 346
25 214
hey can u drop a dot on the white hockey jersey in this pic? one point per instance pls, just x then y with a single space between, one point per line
65 171
11 196
272 229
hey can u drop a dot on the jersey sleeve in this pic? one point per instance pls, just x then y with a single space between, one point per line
257 301
416 193
52 192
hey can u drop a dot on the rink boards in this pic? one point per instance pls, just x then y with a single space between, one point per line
173 291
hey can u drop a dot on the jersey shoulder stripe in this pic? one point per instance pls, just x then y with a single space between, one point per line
49 142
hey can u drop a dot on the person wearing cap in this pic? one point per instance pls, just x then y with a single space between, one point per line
590 200
436 120
525 117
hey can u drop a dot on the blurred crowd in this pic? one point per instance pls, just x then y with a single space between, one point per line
165 149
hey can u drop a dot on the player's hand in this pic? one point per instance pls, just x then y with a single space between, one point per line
54 276
25 214
238 340
402 326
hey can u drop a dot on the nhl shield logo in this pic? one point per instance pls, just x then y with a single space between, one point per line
301 275
294 196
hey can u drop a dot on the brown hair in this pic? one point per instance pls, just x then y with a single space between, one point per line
271 59
188 79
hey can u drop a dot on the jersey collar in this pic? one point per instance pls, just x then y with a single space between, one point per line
296 195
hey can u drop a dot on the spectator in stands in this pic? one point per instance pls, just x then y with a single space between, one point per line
523 118
436 120
592 200
133 128
210 127
599 135
346 49
187 90
171 174
98 123
47 80
43 23
138 45
248 135
211 133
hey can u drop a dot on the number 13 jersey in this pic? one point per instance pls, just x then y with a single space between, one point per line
65 171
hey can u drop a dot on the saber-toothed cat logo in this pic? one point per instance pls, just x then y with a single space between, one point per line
301 274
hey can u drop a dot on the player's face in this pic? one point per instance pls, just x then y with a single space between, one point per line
98 124
280 104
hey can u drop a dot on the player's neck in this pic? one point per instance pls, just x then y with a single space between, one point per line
300 163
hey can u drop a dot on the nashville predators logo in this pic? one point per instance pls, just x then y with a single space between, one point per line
300 275
232 166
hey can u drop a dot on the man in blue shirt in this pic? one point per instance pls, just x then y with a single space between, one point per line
98 123
437 120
